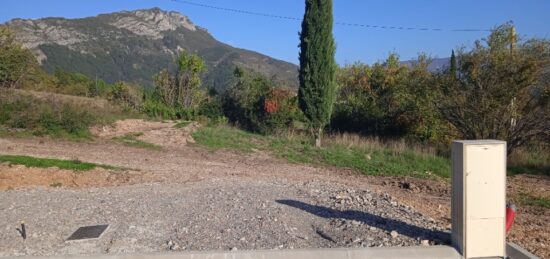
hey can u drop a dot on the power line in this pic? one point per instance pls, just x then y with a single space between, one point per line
240 11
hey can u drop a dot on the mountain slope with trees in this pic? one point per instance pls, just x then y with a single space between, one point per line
134 45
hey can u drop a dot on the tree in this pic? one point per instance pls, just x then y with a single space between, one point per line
452 69
15 61
242 102
188 80
501 92
184 88
317 76
126 95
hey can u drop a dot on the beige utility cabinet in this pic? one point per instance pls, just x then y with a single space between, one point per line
479 198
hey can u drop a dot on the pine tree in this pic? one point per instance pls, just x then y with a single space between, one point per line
317 65
452 70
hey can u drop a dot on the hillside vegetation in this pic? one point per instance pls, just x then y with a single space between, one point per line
491 92
368 156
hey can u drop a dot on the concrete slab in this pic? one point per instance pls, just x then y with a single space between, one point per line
516 252
416 252
439 252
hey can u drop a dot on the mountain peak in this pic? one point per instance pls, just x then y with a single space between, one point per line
151 22
133 45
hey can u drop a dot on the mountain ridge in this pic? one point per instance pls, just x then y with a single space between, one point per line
134 45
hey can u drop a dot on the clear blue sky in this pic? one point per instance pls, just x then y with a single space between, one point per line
279 38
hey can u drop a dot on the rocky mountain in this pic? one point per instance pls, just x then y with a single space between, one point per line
134 45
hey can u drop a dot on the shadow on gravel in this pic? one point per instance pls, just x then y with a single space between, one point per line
401 227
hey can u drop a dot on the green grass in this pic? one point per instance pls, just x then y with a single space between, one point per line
131 140
369 161
228 138
381 161
182 124
529 169
74 165
526 199
530 160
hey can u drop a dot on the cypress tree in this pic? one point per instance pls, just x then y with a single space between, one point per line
317 76
452 70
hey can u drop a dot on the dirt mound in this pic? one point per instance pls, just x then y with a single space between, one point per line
19 176
165 134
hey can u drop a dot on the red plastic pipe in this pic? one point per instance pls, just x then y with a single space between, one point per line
510 216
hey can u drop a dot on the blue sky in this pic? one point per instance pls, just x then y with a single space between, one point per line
279 38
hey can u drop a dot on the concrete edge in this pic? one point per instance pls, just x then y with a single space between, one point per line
415 252
514 251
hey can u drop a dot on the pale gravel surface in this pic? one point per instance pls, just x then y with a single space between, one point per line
214 214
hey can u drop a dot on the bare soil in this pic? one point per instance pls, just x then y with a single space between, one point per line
159 133
185 197
531 228
19 177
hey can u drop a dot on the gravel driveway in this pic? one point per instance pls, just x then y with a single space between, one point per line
214 214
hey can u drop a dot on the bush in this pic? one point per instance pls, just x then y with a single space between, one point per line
255 103
16 62
53 115
157 109
211 108
127 95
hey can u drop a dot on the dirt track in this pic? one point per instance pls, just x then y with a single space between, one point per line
186 197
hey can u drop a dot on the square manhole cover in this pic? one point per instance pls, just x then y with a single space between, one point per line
88 232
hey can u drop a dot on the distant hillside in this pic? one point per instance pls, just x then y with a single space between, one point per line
436 65
133 46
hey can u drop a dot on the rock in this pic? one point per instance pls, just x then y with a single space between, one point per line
342 197
171 245
234 249
425 242
394 234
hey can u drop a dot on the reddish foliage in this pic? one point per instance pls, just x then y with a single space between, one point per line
271 106
275 98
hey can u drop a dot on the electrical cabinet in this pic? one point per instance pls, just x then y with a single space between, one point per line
479 198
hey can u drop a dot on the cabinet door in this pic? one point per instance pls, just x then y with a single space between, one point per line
483 238
485 181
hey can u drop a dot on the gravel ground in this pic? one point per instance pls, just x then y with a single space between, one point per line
188 198
214 214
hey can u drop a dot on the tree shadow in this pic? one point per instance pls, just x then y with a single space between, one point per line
387 224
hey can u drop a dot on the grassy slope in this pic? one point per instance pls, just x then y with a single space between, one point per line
368 160
74 165
26 113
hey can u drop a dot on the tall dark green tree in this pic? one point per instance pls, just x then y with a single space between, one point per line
452 70
317 90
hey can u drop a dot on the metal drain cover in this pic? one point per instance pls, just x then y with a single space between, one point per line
88 232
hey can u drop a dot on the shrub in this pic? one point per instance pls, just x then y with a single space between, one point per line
52 115
255 103
211 108
157 109
16 62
